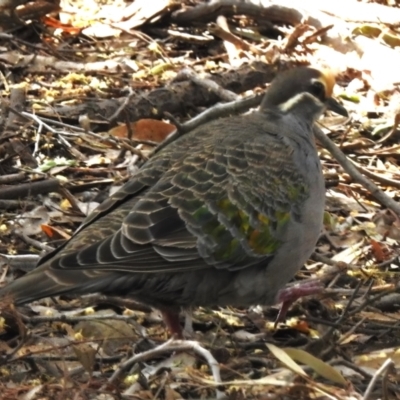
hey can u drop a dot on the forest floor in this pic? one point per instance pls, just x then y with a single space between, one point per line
89 90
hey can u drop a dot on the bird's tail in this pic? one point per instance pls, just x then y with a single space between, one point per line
32 286
41 283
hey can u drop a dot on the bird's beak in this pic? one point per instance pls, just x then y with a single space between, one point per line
333 105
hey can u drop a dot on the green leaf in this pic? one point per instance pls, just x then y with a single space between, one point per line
56 162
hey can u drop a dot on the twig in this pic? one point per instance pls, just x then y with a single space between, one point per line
61 134
30 189
122 107
223 110
392 131
208 84
134 150
370 300
137 357
72 200
349 292
384 334
352 366
293 38
353 328
74 320
36 243
345 314
317 33
381 371
48 357
17 204
227 36
352 170
23 334
169 346
340 265
218 111
379 178
12 178
209 11
161 385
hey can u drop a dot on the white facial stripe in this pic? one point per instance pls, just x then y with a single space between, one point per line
293 101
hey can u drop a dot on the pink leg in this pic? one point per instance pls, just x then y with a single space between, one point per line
171 319
289 295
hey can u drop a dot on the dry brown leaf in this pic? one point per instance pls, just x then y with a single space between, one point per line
145 129
319 366
54 233
86 355
285 359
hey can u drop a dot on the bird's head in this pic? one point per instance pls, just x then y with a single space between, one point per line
303 91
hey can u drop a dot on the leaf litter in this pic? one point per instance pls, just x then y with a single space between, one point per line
112 58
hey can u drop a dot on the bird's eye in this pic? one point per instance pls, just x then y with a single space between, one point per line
317 89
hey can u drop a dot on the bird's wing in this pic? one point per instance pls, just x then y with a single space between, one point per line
223 201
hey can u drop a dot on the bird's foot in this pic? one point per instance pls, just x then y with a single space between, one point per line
171 320
289 295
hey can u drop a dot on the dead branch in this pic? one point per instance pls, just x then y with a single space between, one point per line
352 170
30 189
